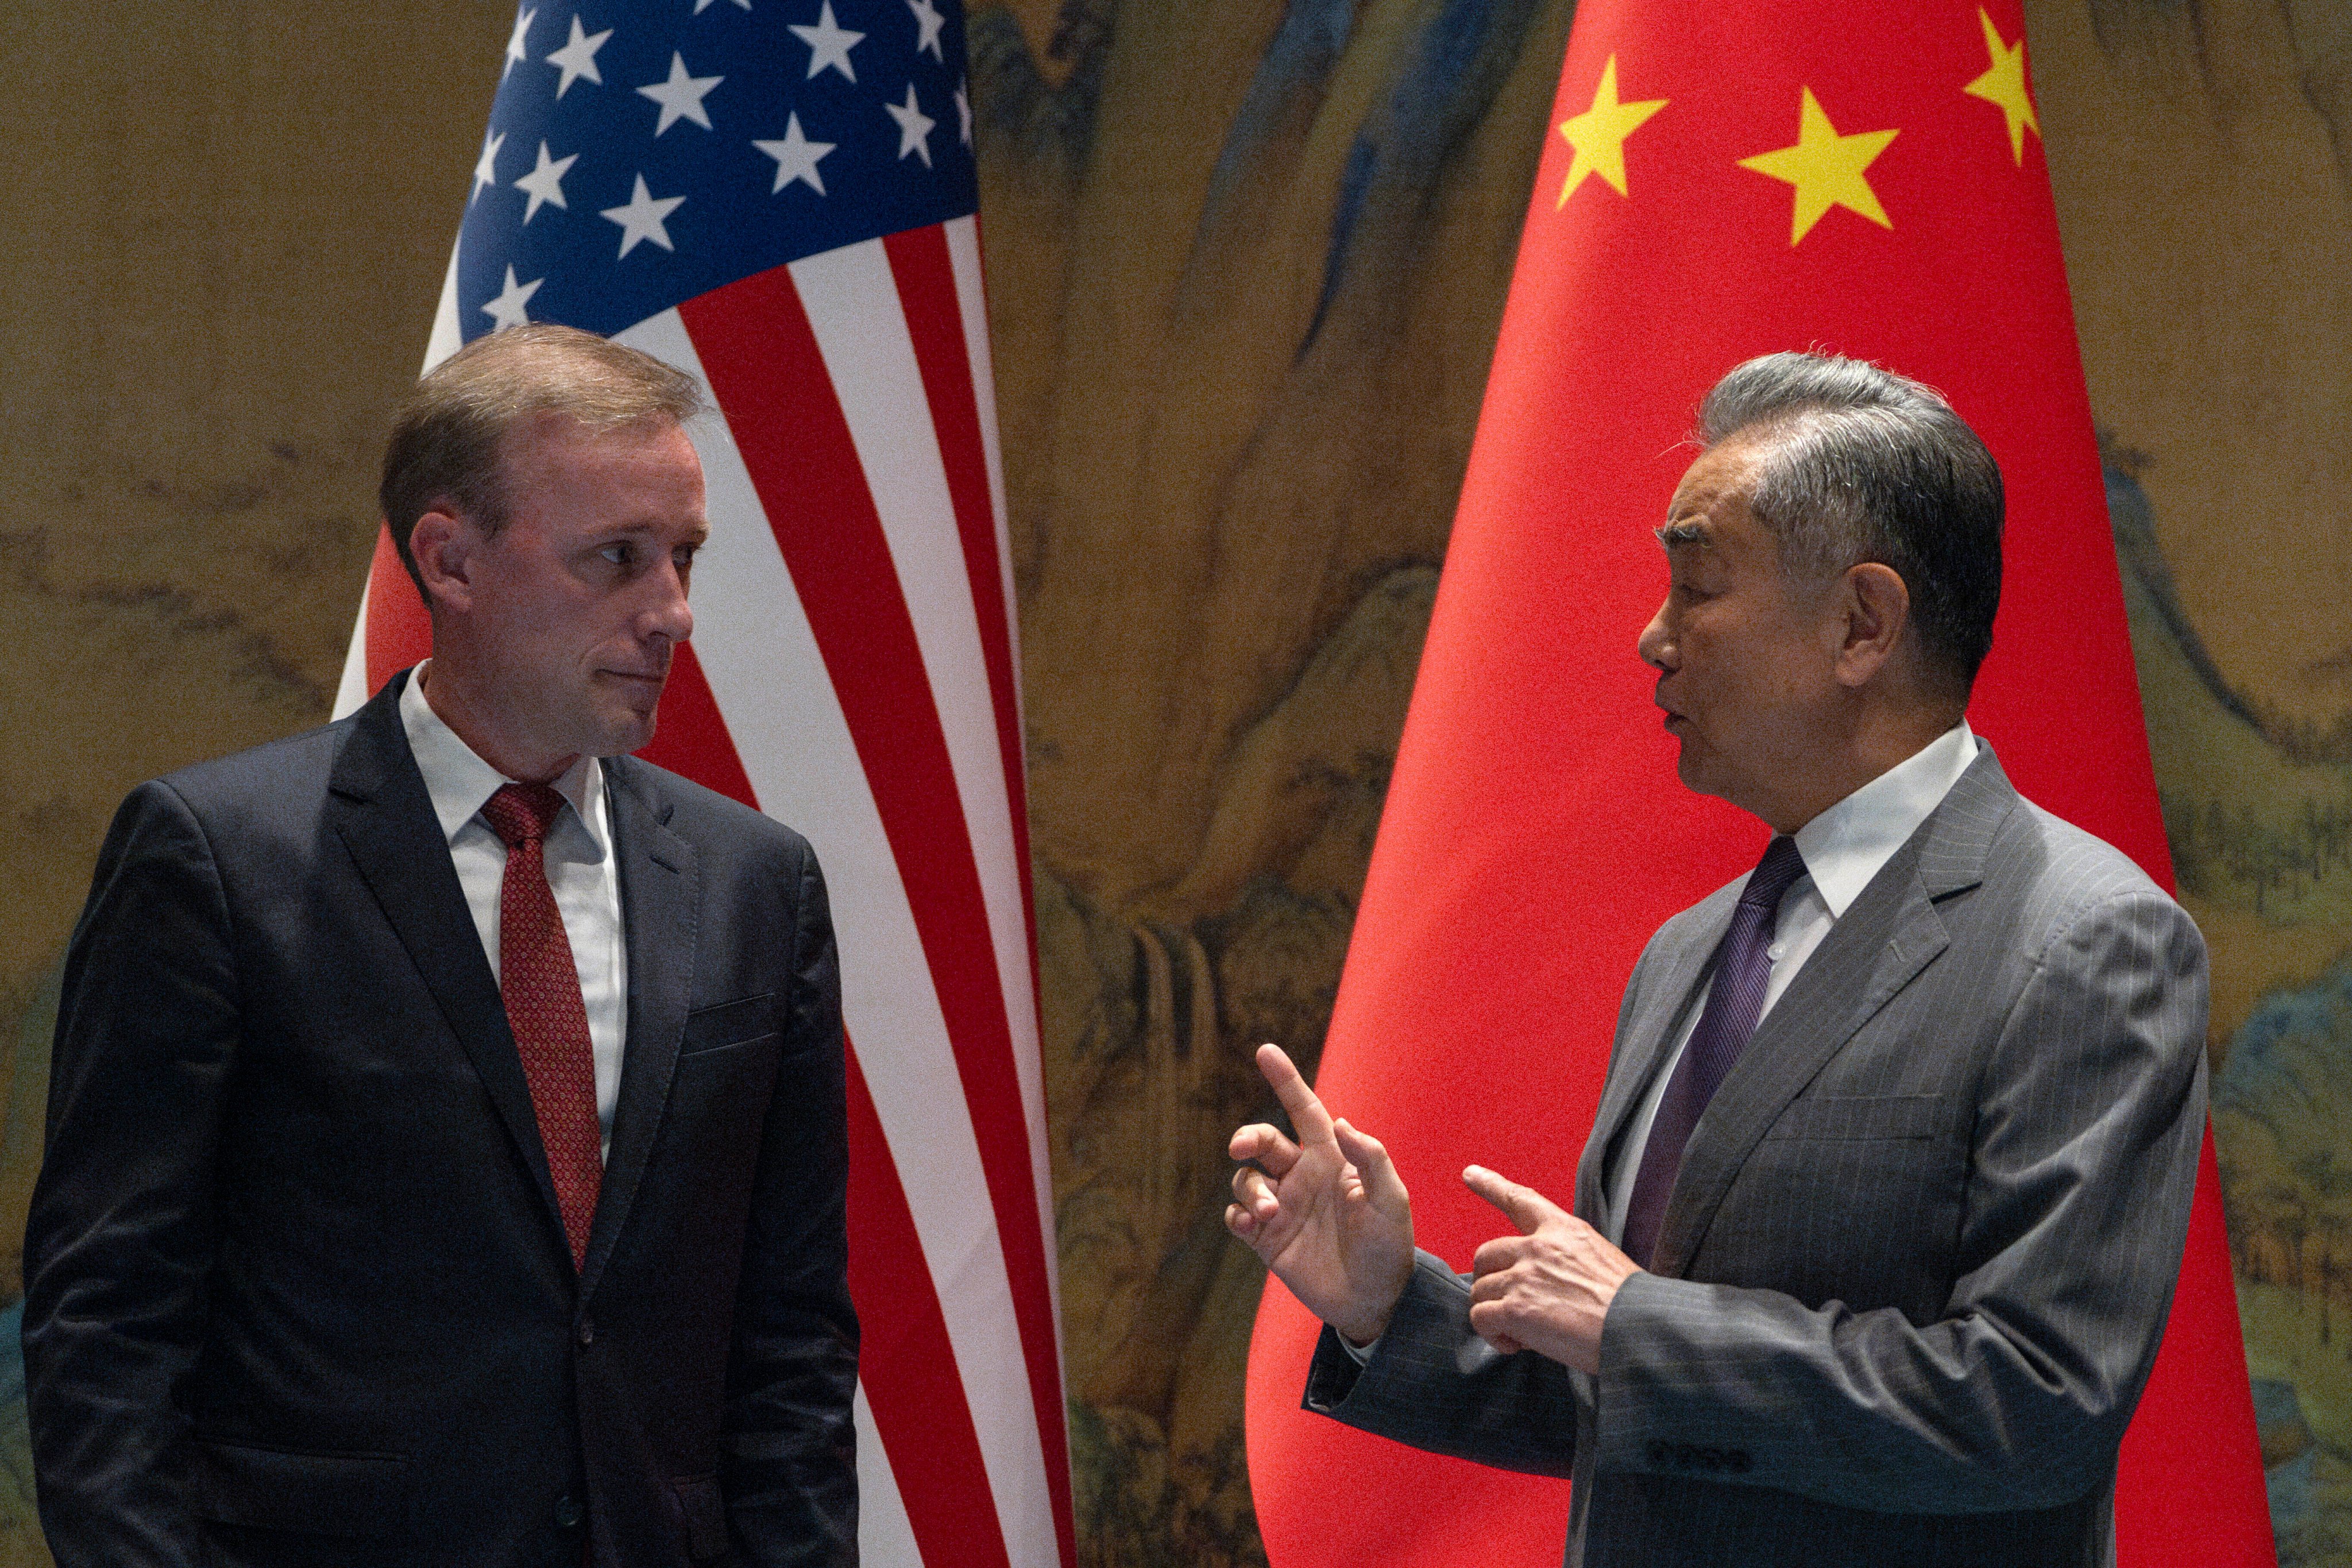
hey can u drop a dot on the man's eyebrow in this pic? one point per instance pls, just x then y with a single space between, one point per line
1676 533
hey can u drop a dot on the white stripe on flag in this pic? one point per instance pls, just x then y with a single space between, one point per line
769 682
447 336
1012 957
351 690
886 1537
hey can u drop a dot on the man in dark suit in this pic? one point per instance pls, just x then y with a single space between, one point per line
446 1153
1873 1237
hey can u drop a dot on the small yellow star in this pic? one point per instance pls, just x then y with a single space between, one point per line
1599 134
1825 167
2004 85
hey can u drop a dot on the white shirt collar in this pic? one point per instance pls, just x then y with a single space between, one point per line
1845 846
459 782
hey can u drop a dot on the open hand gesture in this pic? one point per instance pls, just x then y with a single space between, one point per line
1328 1214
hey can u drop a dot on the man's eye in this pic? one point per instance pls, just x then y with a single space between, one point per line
619 554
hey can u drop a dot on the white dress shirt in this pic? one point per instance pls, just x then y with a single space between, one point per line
1843 848
581 871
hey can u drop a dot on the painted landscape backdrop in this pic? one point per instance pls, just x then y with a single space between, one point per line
1246 260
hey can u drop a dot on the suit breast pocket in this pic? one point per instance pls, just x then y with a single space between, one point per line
725 1025
1853 1197
1849 1118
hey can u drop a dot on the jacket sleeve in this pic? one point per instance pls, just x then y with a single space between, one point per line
789 1466
2089 1120
1433 1384
121 1237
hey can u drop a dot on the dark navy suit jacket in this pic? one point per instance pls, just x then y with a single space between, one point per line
297 1287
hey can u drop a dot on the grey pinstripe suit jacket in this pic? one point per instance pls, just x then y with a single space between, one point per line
1913 1272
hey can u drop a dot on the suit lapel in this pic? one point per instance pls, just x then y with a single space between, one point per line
1664 998
660 897
385 820
1885 939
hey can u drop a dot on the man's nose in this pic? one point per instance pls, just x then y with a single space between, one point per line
667 616
1654 645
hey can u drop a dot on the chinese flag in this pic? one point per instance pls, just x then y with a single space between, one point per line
1720 179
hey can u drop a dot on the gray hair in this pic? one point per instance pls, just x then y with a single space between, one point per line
1862 465
448 435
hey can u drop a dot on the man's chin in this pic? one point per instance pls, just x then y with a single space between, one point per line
624 732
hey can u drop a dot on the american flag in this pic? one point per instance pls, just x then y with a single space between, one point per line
777 196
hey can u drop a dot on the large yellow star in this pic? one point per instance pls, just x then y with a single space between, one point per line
1825 167
1599 134
2004 85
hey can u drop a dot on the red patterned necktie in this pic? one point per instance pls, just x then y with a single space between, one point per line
541 987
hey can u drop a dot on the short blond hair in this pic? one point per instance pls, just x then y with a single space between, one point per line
448 435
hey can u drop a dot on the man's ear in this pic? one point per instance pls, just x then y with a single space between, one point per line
1874 605
445 546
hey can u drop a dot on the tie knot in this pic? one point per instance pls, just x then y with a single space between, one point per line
522 812
1774 874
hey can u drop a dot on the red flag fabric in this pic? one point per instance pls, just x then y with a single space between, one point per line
1719 180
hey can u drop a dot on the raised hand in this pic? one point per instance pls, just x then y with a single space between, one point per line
1547 1289
1328 1214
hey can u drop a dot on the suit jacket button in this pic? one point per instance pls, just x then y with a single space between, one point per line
567 1511
587 1332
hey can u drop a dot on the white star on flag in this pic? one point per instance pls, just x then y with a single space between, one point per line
829 44
485 167
913 127
681 96
578 58
796 157
963 108
702 6
516 53
545 183
641 218
928 23
506 310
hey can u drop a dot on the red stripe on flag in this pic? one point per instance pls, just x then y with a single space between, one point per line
925 274
926 279
906 1360
769 376
398 632
691 737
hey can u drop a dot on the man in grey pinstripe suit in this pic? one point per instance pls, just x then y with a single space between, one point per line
1874 1239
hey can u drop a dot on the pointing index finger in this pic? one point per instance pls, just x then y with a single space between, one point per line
1306 1113
1523 1206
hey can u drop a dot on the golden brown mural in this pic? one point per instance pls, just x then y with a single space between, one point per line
226 226
2202 157
1247 262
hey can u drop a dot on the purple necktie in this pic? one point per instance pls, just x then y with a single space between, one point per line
1743 971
